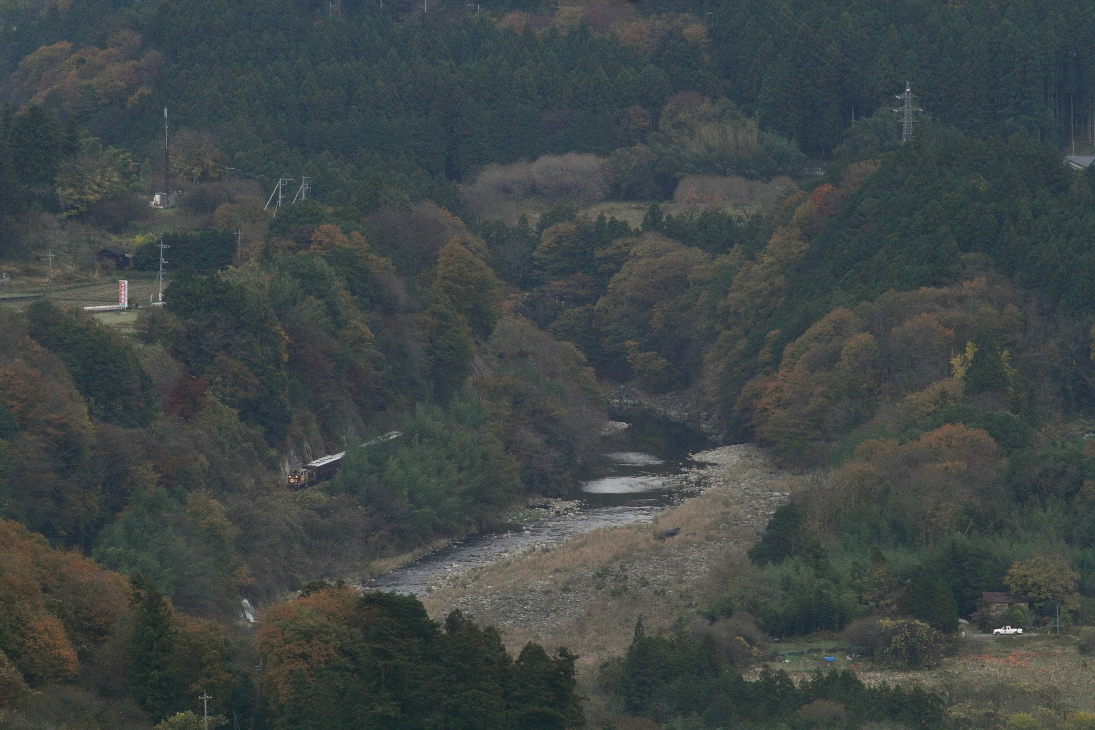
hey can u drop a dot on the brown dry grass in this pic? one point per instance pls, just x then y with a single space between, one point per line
80 290
991 678
381 566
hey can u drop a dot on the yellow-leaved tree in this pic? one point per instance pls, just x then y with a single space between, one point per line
1048 579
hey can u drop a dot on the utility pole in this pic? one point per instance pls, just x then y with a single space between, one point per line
1072 126
49 280
205 708
159 276
226 175
239 243
908 111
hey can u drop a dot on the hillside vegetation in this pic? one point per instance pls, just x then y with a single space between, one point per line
909 326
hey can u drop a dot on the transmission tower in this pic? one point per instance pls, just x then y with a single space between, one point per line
908 111
304 190
279 191
334 9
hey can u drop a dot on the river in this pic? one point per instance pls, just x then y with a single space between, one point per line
637 478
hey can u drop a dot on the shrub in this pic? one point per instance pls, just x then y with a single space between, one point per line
1079 721
822 713
1085 644
1022 721
1016 616
912 644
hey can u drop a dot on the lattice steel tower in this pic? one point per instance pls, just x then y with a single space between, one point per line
908 111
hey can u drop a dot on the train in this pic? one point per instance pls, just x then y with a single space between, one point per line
317 470
326 467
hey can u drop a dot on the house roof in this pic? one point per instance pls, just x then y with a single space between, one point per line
1079 162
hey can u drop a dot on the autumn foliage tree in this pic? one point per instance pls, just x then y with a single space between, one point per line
172 658
1046 578
472 287
334 654
55 608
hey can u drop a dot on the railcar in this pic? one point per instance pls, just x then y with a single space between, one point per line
326 467
317 470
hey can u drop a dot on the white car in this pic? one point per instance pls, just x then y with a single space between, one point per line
1007 631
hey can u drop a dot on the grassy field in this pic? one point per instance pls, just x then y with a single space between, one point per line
984 682
82 291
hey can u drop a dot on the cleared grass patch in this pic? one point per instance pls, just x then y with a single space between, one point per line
68 290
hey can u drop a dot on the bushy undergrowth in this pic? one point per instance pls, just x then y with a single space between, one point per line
687 682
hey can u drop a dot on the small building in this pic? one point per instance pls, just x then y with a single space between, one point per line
1079 162
114 258
163 200
998 603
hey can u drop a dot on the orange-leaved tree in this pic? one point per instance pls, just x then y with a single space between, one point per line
54 606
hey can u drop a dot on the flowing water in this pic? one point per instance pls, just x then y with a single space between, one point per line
638 477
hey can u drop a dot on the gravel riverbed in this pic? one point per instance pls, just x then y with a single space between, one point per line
586 592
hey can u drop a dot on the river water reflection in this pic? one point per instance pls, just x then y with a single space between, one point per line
638 477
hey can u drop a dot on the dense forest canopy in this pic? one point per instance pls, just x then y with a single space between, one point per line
512 210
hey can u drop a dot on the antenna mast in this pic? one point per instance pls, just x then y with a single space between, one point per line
908 111
166 161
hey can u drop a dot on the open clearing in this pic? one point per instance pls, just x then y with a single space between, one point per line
21 292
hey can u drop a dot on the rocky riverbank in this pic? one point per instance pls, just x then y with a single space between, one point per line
587 592
683 407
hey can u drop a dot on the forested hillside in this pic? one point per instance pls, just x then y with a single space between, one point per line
514 209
